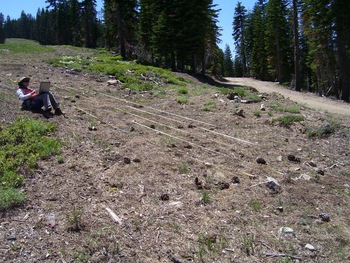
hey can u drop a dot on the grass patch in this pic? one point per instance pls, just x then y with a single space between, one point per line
22 144
182 90
255 205
183 169
279 107
257 113
287 120
133 75
209 106
324 130
182 100
14 45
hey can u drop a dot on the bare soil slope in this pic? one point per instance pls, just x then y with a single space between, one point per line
186 184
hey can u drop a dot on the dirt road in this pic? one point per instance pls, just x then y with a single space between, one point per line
309 99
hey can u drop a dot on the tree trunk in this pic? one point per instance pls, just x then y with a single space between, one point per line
297 76
121 33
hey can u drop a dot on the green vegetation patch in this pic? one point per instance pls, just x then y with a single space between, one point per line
279 107
245 93
323 130
22 144
132 75
14 45
287 120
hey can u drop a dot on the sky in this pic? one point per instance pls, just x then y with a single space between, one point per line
13 8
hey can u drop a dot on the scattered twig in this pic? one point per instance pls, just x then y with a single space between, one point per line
334 165
259 183
281 255
114 216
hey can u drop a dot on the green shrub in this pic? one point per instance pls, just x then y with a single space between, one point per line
10 197
11 179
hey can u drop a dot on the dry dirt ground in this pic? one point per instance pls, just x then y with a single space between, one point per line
183 183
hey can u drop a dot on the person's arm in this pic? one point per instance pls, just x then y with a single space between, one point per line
22 96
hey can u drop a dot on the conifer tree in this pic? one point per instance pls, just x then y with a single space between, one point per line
228 63
2 29
278 39
259 56
240 36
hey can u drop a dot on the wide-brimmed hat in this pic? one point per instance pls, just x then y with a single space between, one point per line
23 79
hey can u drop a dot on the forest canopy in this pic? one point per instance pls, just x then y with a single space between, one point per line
305 44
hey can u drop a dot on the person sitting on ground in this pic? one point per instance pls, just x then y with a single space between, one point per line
35 101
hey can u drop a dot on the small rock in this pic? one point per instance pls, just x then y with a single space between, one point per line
260 160
310 247
198 183
319 171
164 197
280 209
231 96
262 107
273 184
285 232
113 82
324 217
152 126
92 128
312 164
187 146
239 112
235 180
292 158
127 160
224 185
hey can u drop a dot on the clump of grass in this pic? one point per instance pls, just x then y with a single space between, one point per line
209 106
205 197
183 169
182 100
75 221
182 90
322 131
279 107
287 120
255 205
257 113
248 244
60 159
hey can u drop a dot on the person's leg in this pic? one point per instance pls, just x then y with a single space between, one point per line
53 101
35 104
45 97
55 104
